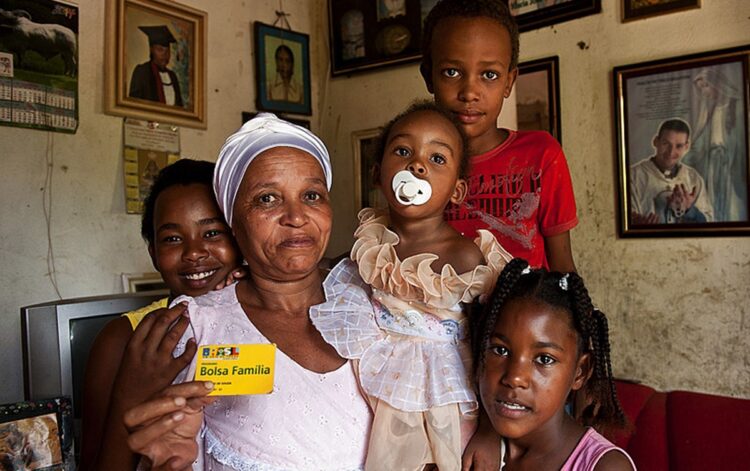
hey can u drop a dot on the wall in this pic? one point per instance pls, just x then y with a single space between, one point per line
678 308
94 241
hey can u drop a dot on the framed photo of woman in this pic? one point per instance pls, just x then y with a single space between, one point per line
282 70
155 62
682 134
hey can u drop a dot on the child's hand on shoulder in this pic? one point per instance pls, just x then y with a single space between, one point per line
483 451
236 274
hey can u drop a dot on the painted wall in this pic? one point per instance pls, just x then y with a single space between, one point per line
678 308
94 241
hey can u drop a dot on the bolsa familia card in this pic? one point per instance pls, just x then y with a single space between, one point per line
237 369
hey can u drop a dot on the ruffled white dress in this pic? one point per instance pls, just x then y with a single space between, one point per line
405 325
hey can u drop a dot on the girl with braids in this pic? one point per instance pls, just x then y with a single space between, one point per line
538 340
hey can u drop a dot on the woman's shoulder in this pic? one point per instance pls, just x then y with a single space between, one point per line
595 452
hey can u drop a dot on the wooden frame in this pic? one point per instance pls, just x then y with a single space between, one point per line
703 100
534 14
370 34
538 96
364 148
278 50
143 282
132 88
638 9
248 115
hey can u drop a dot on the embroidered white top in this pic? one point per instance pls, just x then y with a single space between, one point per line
310 421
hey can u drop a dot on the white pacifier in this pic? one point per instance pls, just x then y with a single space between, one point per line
410 190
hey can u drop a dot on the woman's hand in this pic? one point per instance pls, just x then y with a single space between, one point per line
164 429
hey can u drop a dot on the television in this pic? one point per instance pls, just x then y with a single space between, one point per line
56 338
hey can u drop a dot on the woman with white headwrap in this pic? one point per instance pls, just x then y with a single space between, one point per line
271 181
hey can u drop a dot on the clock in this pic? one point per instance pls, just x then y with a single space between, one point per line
392 39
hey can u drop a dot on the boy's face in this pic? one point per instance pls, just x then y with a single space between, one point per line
471 77
193 248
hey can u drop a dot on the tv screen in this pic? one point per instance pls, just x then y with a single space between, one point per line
56 340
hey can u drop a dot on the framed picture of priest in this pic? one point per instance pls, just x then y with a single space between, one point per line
155 65
682 135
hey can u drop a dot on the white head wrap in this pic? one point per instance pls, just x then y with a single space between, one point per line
261 133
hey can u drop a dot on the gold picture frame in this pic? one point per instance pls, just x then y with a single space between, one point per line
364 147
134 29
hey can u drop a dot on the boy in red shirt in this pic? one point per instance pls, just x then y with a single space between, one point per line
520 187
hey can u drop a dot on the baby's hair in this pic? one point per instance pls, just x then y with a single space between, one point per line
603 408
427 105
497 10
182 172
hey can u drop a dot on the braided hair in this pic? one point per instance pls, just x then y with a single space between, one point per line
602 409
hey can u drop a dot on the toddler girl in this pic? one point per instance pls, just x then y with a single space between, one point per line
538 340
397 305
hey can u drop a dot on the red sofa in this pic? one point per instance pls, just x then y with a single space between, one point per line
685 431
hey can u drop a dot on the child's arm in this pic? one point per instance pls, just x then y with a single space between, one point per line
559 253
101 369
483 451
147 367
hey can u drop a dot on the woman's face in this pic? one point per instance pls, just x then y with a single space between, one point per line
282 214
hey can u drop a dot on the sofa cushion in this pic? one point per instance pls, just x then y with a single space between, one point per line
707 431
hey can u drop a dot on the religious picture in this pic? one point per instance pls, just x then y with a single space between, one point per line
684 139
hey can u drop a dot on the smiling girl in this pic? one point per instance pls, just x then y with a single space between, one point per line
538 340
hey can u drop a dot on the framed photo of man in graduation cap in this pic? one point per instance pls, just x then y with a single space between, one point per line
155 66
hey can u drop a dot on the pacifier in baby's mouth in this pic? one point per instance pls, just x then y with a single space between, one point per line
410 190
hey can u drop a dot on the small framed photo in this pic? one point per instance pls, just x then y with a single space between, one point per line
283 70
305 123
538 96
142 282
682 145
369 34
155 62
534 14
637 9
365 147
37 435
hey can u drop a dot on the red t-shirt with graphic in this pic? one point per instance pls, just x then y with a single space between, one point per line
521 192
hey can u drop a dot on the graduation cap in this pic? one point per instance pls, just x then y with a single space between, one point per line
158 35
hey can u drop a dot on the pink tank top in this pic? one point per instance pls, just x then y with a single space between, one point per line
589 451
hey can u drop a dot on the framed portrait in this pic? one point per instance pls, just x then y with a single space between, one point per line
155 62
538 96
368 34
365 147
282 65
637 9
682 145
37 435
534 14
248 115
